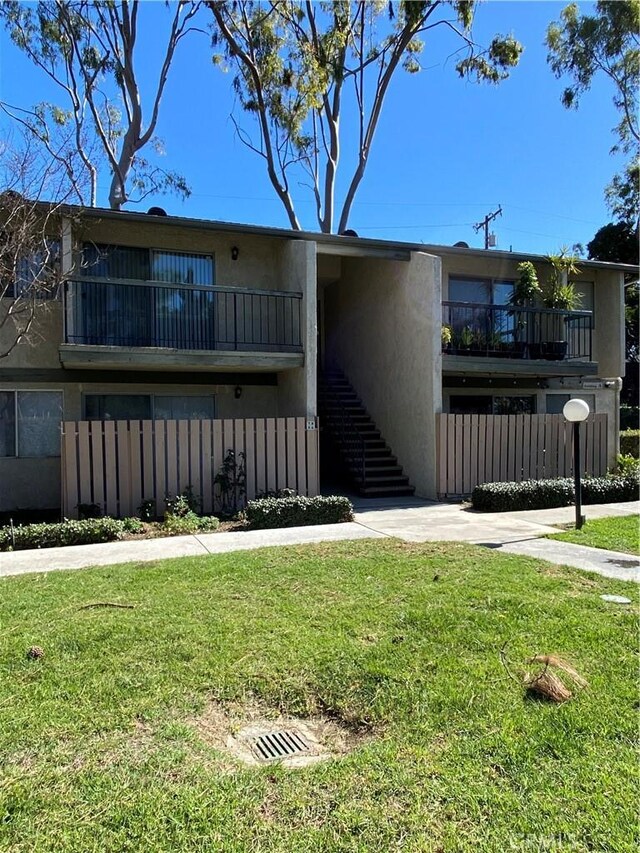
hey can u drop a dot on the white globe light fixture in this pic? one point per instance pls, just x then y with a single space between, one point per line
576 411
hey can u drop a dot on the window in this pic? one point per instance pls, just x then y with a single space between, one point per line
30 423
158 407
486 404
103 261
38 273
555 402
482 291
117 407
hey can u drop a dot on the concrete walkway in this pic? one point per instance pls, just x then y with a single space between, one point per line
409 519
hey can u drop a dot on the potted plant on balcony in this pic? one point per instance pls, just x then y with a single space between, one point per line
526 289
464 340
447 336
559 294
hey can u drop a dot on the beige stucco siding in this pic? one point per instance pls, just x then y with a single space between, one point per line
382 328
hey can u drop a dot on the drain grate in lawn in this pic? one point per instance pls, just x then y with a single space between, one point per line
276 745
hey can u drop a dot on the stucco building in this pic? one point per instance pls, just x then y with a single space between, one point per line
164 317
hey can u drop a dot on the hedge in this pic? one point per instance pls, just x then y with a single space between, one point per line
298 511
69 532
630 443
545 494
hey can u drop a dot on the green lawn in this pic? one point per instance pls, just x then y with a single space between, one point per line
615 534
401 642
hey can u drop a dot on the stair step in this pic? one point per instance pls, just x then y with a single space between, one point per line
394 480
378 470
383 491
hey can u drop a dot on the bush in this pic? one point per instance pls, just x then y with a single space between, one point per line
545 494
298 511
630 443
629 417
182 525
68 532
132 525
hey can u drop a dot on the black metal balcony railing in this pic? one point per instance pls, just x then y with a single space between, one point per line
500 331
187 317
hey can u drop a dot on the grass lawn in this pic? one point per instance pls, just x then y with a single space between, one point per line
401 642
614 534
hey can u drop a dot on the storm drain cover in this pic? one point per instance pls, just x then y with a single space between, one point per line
275 746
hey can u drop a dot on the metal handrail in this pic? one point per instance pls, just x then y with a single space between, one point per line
351 439
122 312
514 331
209 288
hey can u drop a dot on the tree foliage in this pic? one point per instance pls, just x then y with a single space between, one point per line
295 65
30 247
88 49
606 43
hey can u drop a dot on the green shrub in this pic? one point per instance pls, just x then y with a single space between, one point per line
629 417
68 532
182 504
298 511
182 525
132 525
627 465
630 443
545 494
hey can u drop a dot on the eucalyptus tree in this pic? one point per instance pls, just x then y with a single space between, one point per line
300 68
605 44
90 50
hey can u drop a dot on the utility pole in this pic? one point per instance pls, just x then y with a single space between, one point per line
485 224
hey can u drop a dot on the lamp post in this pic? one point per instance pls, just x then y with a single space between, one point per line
576 411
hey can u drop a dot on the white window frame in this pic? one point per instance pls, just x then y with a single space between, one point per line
15 392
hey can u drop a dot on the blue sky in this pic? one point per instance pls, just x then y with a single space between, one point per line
447 151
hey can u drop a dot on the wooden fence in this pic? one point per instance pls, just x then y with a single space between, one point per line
118 464
473 449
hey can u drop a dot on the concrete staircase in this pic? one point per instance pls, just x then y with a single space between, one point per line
371 465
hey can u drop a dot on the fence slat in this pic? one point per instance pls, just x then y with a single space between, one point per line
69 463
291 480
158 438
281 450
183 457
250 460
123 440
270 449
301 456
95 434
207 465
311 440
135 471
195 460
261 459
110 468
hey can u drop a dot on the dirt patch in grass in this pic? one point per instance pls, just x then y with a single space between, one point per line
233 729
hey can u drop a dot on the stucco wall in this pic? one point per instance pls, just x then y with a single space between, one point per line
40 348
382 328
297 388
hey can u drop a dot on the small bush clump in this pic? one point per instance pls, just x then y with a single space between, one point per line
545 494
182 525
298 511
69 532
630 443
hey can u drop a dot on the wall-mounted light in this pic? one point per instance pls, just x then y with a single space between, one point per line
235 251
238 392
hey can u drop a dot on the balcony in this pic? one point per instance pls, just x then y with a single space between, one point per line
508 339
142 325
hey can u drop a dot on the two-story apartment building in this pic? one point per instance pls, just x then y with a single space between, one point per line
168 318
